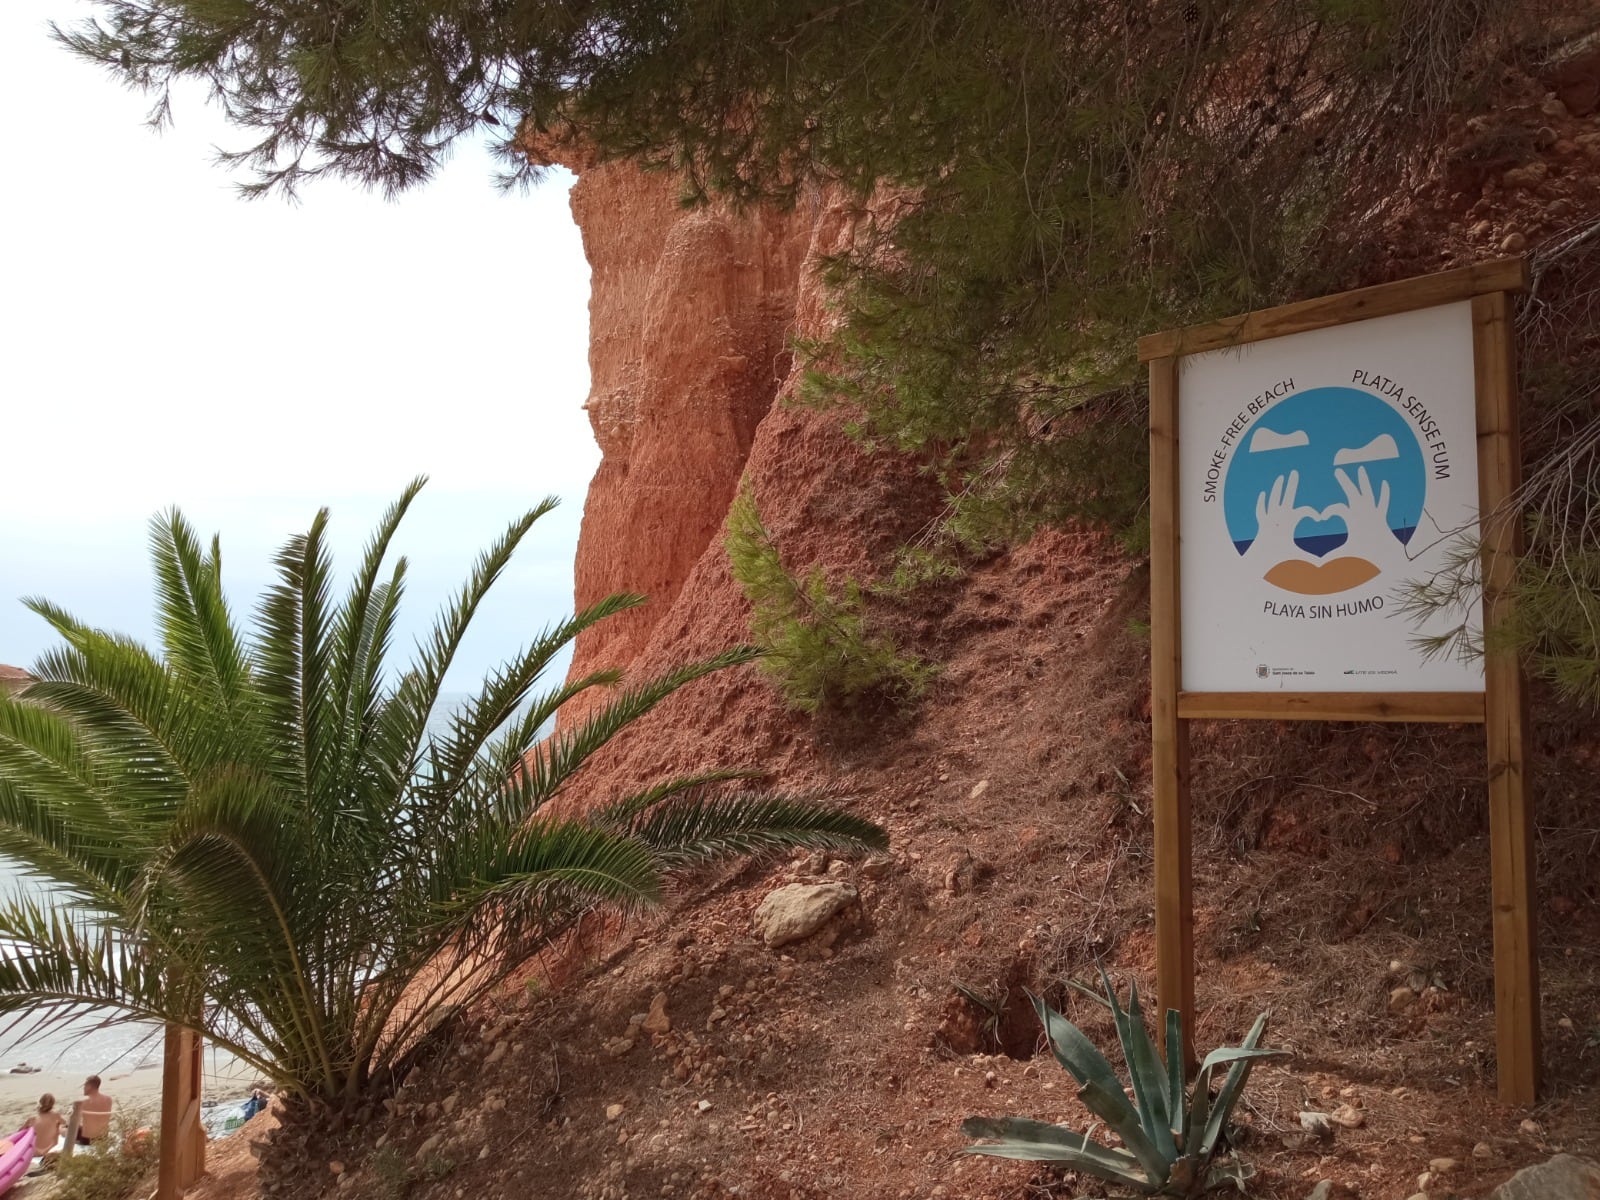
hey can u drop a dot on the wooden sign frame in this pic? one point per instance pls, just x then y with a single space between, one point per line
1501 707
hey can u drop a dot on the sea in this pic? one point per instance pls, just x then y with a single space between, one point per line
89 1046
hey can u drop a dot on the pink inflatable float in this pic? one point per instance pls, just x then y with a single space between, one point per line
16 1152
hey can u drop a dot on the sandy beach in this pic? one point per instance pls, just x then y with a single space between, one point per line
136 1093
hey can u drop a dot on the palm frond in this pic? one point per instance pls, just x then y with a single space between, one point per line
689 832
558 758
191 613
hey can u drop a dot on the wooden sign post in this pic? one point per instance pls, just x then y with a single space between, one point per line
183 1137
1334 443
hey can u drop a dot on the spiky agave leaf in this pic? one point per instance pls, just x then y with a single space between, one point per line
1170 1138
1039 1141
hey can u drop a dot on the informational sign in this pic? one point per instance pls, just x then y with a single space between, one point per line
1320 476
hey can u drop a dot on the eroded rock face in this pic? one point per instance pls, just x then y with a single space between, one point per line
690 311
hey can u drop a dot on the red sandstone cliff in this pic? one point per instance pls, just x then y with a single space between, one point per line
691 312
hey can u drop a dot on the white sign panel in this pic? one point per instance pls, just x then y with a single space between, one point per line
1317 474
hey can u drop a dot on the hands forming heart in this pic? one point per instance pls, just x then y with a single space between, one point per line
1365 513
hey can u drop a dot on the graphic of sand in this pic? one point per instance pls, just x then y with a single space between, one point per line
1321 579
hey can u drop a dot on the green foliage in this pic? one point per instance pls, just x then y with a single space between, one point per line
392 1176
1553 623
1170 1134
1047 180
114 1167
816 638
1037 184
257 837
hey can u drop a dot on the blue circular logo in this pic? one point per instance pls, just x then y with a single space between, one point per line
1328 484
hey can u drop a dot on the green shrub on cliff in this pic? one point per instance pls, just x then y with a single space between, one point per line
818 643
255 836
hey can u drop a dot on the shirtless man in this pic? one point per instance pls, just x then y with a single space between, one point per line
95 1112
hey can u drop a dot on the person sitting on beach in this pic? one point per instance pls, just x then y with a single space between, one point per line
94 1112
257 1103
46 1124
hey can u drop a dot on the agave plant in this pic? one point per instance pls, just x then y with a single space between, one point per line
262 836
1170 1133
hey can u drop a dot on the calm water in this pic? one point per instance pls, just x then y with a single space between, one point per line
86 1048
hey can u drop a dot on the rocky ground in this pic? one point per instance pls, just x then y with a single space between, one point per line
690 1058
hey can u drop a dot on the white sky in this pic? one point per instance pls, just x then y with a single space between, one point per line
163 342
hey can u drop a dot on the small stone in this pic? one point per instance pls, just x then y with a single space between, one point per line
1349 1116
1531 1128
1482 229
1425 1180
497 1053
703 1106
1529 176
1482 1151
656 1020
876 868
1513 243
1565 1022
336 1167
448 1104
429 1145
1317 1124
1401 998
1441 1166
978 789
613 1112
1323 1191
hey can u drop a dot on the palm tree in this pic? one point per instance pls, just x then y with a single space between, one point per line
257 838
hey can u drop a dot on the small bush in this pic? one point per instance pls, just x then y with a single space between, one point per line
816 638
114 1167
391 1174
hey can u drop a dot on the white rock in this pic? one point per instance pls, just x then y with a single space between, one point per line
1317 1124
798 910
1562 1178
